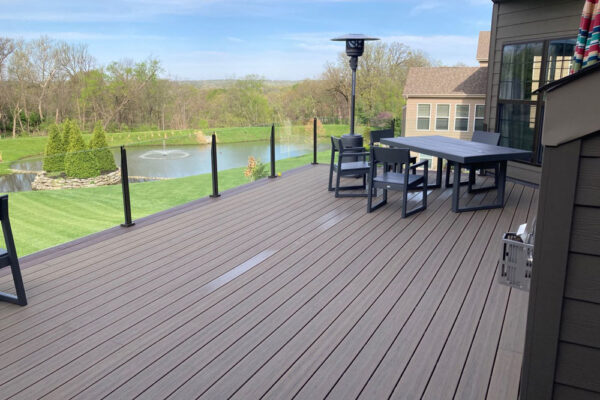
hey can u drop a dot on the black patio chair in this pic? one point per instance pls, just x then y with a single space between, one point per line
8 257
402 181
375 139
492 138
356 166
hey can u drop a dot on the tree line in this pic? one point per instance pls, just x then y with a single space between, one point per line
45 82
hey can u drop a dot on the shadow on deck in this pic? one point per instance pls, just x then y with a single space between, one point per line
276 291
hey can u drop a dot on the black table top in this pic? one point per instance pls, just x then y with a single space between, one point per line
460 151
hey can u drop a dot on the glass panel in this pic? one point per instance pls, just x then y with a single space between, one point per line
441 124
516 123
423 110
461 124
462 111
521 70
423 124
62 195
478 124
479 111
443 110
560 54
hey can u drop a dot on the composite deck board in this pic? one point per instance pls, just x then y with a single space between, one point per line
447 373
125 269
99 328
276 291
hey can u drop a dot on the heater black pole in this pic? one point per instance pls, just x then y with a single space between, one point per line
273 152
125 188
353 65
213 165
315 142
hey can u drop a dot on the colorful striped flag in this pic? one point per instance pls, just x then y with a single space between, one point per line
586 49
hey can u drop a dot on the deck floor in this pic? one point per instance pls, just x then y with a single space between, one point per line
280 291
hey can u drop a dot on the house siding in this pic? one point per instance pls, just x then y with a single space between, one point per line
562 356
523 21
578 362
410 126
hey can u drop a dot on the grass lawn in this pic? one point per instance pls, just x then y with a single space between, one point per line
14 149
42 219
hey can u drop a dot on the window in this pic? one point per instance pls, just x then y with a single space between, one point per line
524 68
423 116
479 117
442 116
461 118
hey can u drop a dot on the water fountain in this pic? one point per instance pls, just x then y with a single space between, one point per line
165 154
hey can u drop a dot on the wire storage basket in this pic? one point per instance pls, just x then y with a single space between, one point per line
516 262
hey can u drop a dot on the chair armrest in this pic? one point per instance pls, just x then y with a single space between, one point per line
354 149
417 165
361 154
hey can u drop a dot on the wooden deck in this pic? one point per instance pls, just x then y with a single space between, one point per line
279 291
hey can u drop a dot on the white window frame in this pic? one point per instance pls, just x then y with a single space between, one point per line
417 119
475 118
468 117
436 117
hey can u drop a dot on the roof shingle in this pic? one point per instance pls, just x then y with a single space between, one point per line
446 81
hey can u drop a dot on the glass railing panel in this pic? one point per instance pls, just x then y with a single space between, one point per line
59 198
164 173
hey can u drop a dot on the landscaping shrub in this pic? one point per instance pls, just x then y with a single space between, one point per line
54 155
99 147
255 170
79 161
67 128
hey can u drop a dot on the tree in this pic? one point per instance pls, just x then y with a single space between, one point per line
99 147
79 161
54 156
382 72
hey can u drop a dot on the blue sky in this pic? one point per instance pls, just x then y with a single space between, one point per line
221 39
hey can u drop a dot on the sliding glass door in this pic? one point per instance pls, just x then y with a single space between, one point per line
525 68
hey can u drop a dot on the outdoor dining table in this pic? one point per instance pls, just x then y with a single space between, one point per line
464 154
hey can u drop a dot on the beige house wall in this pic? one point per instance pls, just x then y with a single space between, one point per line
410 124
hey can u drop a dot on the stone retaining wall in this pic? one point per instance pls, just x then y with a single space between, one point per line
44 182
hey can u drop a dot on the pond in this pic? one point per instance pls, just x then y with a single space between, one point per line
173 161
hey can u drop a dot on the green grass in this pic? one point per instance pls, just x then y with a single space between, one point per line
42 219
23 147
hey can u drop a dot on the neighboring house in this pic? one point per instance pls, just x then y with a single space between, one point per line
448 101
532 43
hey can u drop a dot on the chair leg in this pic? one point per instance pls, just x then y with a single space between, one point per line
21 297
337 184
448 166
471 179
370 197
496 175
330 187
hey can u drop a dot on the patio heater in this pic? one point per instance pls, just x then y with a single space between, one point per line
355 47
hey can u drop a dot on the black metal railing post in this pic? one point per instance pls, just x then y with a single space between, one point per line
394 125
315 141
125 188
273 175
213 164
